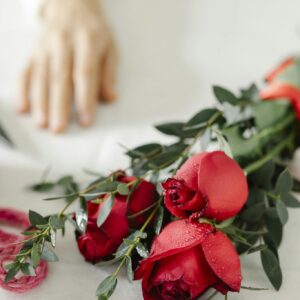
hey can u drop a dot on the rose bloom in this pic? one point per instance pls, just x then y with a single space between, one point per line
284 82
101 242
210 185
186 259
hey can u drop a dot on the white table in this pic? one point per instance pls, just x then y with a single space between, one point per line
171 53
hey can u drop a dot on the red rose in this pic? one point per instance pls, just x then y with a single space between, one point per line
283 82
186 259
101 242
209 184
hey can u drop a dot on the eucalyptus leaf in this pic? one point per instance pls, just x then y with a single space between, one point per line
81 220
123 189
27 269
36 219
273 225
35 255
175 129
201 119
141 250
42 187
224 95
159 220
129 271
272 268
284 183
257 248
147 150
282 211
56 222
105 210
48 255
107 286
11 274
290 200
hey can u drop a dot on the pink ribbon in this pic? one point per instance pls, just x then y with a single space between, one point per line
10 245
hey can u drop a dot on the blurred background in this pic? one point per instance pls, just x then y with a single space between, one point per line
171 52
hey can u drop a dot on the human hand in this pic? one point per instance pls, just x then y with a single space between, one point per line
74 58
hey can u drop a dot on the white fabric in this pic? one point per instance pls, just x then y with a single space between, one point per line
171 52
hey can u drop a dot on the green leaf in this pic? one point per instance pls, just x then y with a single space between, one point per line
159 220
284 183
42 187
168 157
129 271
105 210
107 286
240 146
56 222
290 200
61 197
27 269
224 95
257 248
81 220
282 212
272 268
11 274
265 119
147 150
108 186
53 237
35 255
123 189
296 185
65 180
253 213
175 129
201 119
262 177
142 251
273 225
36 219
48 255
225 223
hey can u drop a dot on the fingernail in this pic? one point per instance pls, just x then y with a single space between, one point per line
41 120
86 119
58 125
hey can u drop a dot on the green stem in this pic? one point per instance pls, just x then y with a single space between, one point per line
276 128
132 247
274 152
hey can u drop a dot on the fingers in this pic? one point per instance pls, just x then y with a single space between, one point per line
40 91
107 82
86 76
60 82
23 104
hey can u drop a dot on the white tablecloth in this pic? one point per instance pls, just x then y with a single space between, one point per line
171 52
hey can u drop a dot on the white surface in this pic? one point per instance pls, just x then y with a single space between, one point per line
171 52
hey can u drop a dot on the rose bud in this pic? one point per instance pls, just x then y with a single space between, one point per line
282 85
186 259
101 242
210 185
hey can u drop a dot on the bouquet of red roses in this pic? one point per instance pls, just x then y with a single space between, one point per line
181 214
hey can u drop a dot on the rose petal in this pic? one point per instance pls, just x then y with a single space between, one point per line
224 185
190 267
272 75
189 170
223 259
176 237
